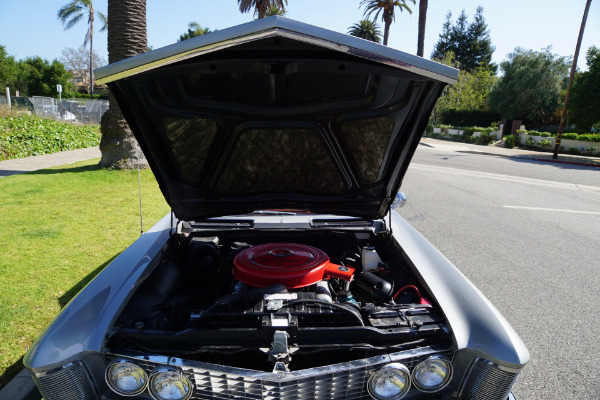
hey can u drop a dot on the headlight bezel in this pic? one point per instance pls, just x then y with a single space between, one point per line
432 359
156 372
386 369
115 388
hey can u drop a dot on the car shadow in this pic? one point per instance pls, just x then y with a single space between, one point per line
69 294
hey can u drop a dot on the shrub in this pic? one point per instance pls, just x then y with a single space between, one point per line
589 137
571 136
544 143
23 136
538 133
485 138
574 150
529 142
509 141
429 128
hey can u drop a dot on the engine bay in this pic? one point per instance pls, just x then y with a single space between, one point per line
279 300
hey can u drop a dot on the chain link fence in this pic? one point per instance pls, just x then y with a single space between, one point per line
74 110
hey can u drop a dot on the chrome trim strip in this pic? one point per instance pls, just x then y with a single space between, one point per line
414 354
271 27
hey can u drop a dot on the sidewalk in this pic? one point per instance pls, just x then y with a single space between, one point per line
22 165
516 153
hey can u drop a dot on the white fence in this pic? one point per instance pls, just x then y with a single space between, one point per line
75 110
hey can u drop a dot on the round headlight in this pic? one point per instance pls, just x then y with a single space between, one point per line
125 378
167 383
432 374
389 383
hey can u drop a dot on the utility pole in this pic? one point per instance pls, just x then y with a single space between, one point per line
563 116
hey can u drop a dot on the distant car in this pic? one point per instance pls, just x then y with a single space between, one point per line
283 271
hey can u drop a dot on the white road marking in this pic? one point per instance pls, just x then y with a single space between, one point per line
554 210
507 178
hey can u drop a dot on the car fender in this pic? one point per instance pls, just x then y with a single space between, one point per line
475 323
81 326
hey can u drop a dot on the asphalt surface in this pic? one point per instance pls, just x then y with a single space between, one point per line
527 233
523 227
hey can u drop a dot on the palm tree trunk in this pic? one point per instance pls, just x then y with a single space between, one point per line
126 38
91 64
386 31
422 22
91 18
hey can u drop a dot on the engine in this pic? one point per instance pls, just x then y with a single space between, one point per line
312 294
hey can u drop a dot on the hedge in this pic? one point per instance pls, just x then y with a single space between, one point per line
24 136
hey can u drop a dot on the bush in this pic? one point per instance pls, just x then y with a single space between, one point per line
574 150
485 138
537 133
589 137
510 141
23 136
545 143
529 142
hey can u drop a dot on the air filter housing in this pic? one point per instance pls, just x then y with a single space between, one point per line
290 264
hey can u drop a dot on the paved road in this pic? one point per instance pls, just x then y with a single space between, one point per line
528 235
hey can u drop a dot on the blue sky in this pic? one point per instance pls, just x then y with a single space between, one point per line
30 28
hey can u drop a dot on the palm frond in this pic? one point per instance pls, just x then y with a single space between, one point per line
88 35
74 20
68 10
103 20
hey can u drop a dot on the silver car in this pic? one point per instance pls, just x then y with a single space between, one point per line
283 271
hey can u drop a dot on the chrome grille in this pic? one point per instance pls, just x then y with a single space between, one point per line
339 381
487 381
70 382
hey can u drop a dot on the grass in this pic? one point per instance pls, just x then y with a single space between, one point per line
59 227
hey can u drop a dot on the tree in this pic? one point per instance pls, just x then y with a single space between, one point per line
387 10
70 14
366 29
422 22
8 69
127 37
261 7
469 42
469 94
194 29
40 77
531 85
77 61
274 9
584 105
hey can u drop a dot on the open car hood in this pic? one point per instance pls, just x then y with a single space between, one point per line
277 114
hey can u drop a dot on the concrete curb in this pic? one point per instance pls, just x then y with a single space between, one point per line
21 388
568 162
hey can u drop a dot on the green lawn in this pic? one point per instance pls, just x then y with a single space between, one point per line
58 228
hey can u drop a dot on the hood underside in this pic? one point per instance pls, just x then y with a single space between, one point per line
277 114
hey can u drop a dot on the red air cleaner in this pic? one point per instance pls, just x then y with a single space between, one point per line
290 264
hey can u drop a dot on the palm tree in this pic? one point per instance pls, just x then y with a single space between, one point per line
422 21
194 29
126 38
274 9
70 14
261 7
386 9
367 30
